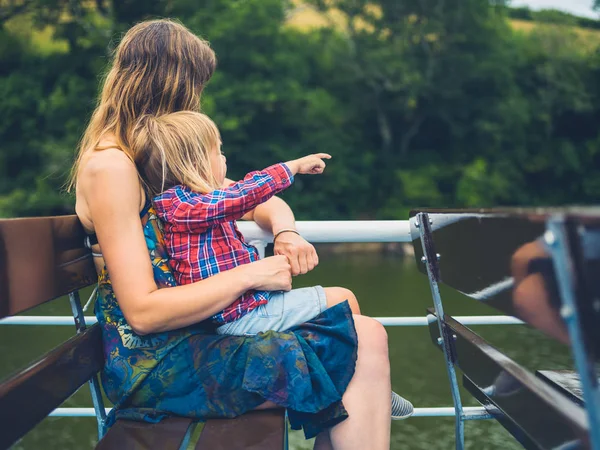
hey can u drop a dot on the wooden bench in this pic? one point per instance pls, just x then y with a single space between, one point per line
43 259
477 253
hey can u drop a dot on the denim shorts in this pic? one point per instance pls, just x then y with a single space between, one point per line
284 311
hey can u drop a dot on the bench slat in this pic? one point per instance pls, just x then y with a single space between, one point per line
168 434
29 396
41 259
257 430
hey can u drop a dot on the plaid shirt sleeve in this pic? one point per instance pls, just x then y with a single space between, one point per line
191 212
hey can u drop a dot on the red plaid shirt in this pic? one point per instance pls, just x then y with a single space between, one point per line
201 235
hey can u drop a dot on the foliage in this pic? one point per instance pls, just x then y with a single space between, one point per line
421 102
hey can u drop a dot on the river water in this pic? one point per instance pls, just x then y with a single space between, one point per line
386 285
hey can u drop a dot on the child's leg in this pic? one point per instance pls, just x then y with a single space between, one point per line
284 311
289 309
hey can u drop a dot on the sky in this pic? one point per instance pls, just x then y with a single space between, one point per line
578 7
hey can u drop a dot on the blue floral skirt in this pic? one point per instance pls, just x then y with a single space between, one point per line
305 370
195 373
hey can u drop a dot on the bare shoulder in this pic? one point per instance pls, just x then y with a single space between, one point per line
108 170
108 177
111 162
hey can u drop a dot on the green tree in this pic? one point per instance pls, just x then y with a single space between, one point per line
419 74
421 102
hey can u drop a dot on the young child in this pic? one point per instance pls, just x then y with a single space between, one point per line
183 168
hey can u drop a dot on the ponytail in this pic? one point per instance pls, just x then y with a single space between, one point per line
149 151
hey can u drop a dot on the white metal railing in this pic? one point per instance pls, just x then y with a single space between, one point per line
387 321
419 412
338 231
316 232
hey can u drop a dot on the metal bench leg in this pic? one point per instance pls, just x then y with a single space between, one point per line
93 382
285 435
430 259
557 240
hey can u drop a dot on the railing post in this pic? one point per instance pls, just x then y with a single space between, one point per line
260 246
557 241
430 259
93 382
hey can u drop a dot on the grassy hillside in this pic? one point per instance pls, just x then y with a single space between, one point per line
305 18
590 36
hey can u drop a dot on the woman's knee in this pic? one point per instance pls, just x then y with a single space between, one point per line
371 334
337 295
373 355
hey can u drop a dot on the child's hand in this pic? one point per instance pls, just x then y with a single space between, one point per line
311 164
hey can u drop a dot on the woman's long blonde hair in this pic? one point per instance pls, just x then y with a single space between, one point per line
175 149
159 67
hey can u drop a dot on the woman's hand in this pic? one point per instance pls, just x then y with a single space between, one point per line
270 274
300 253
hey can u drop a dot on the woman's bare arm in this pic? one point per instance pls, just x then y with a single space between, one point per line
109 184
275 215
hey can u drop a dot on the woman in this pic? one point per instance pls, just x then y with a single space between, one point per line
160 357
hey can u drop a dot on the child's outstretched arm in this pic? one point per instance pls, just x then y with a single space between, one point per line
310 165
192 212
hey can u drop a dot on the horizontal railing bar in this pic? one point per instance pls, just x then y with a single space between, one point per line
338 231
387 321
45 320
75 412
477 414
419 412
448 411
465 320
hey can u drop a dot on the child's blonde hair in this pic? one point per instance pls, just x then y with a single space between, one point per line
175 149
